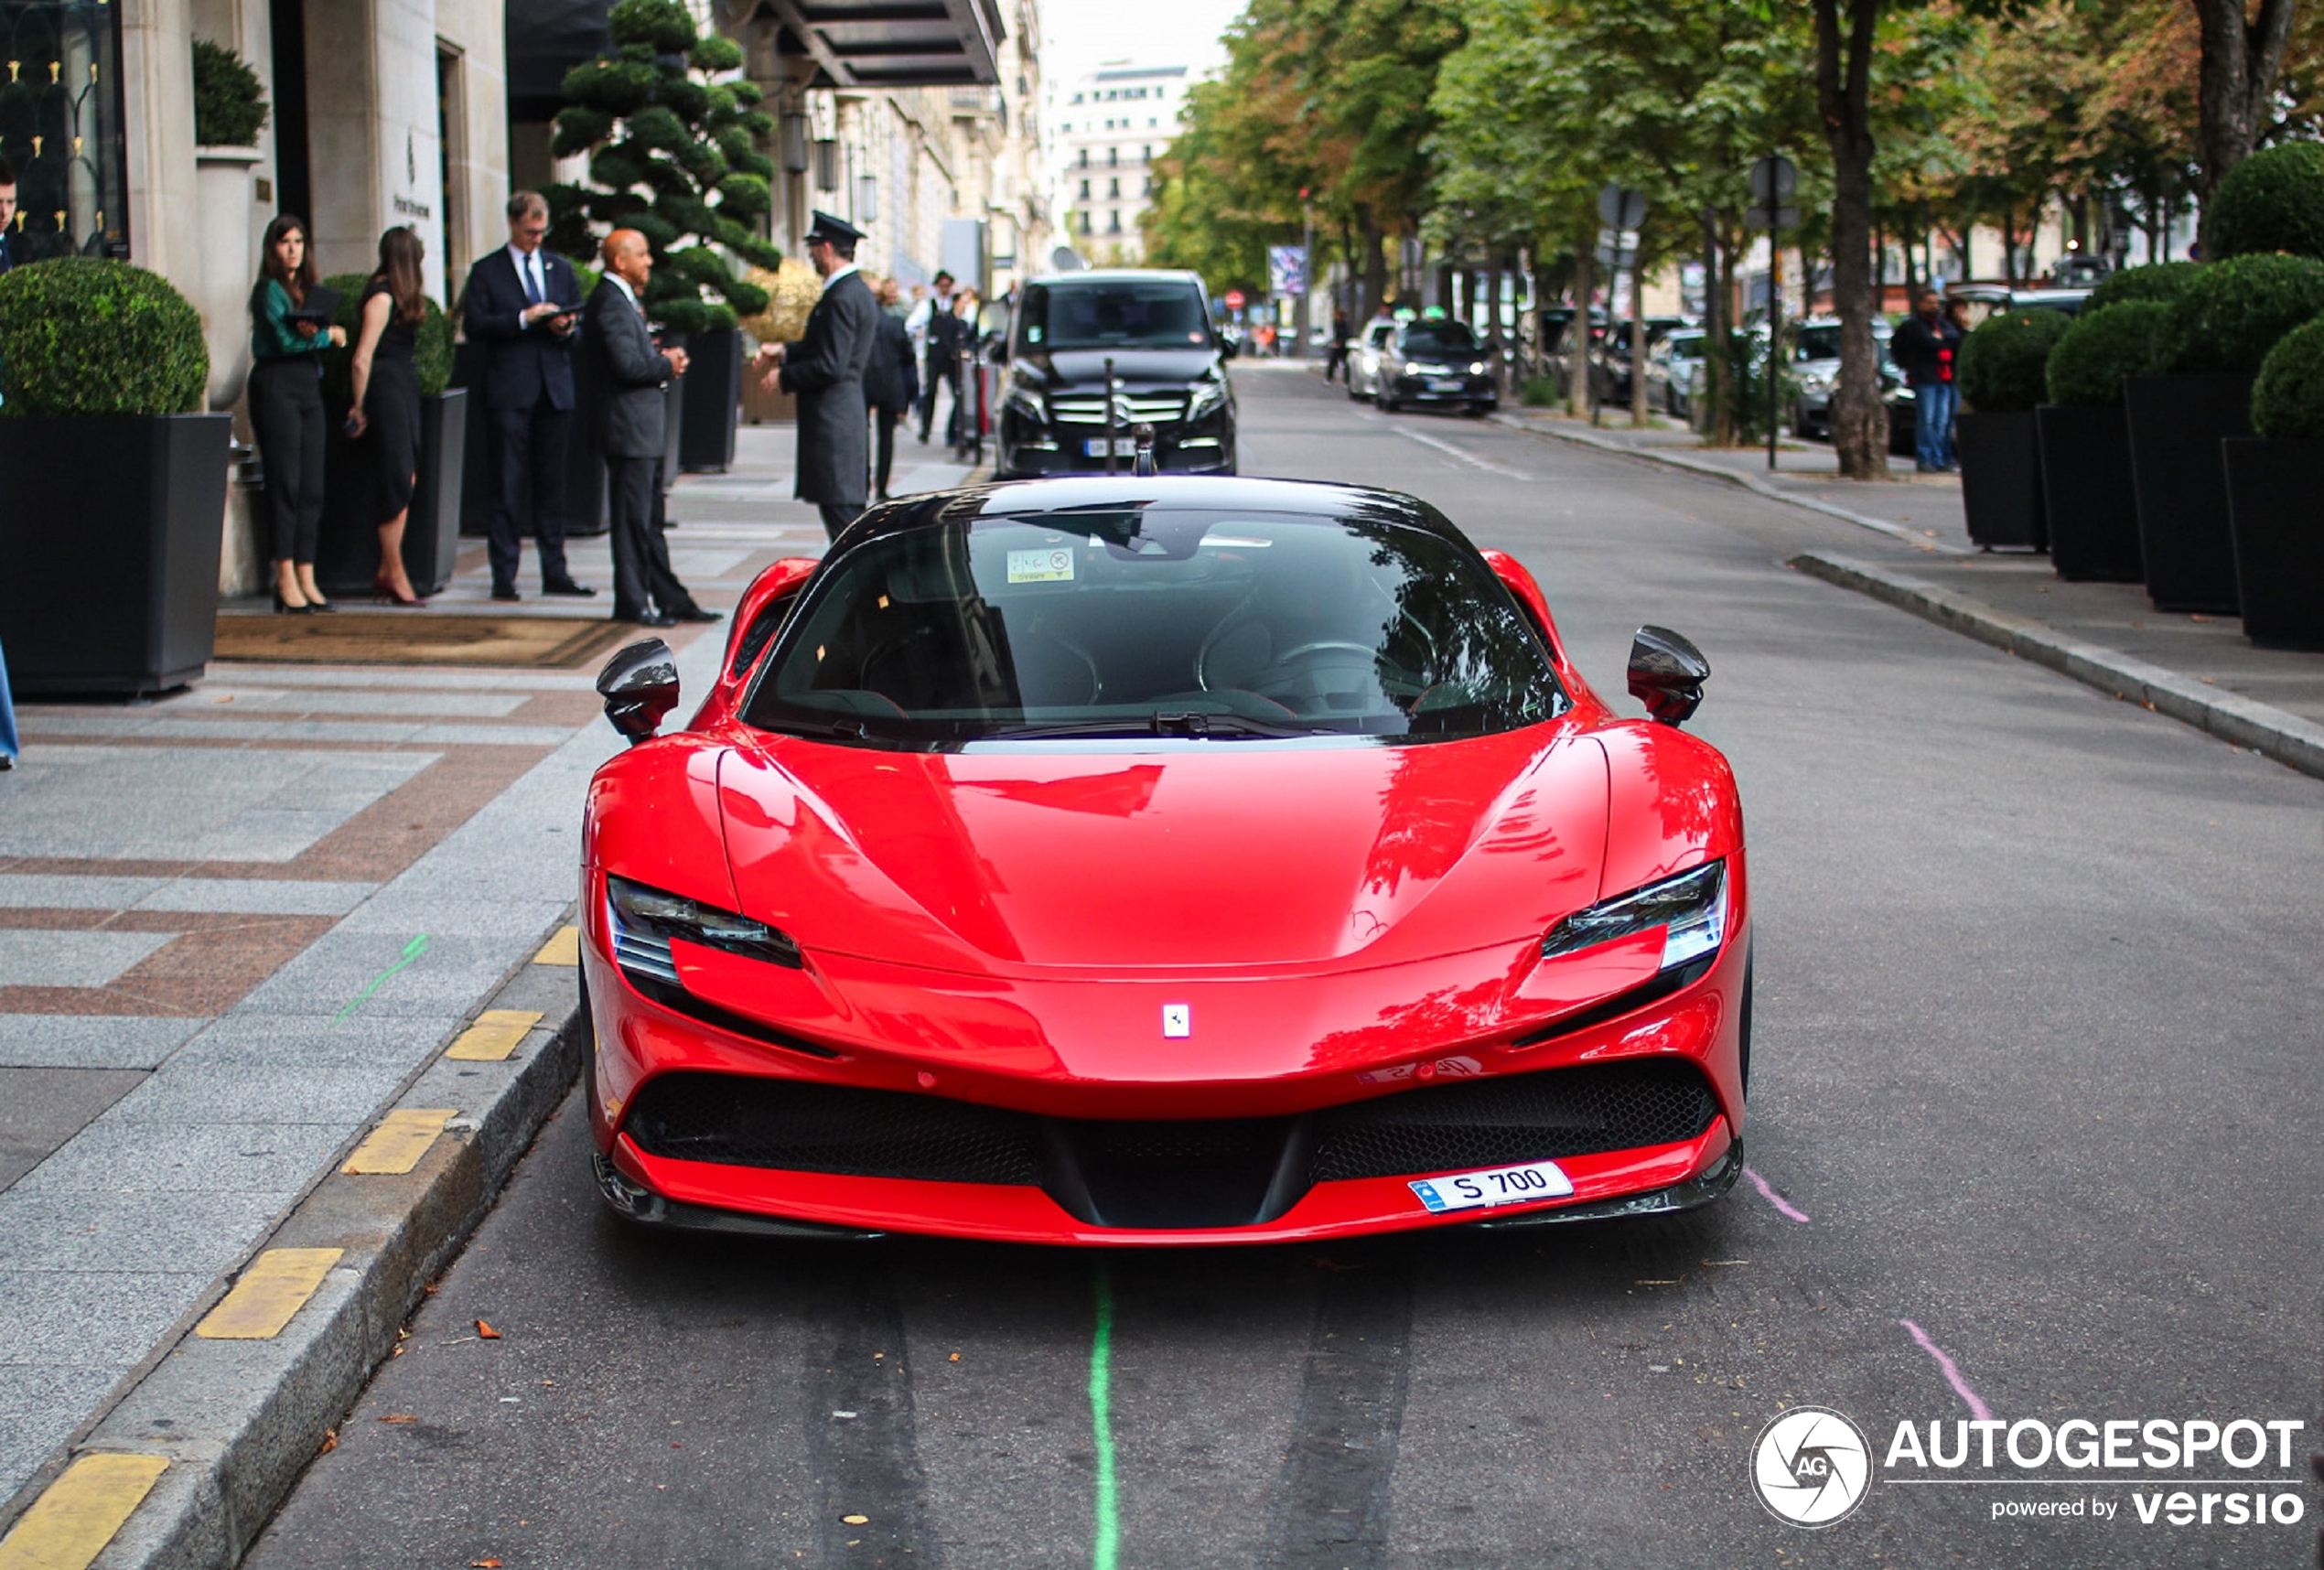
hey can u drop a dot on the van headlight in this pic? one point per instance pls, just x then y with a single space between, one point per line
1206 396
1691 908
1028 403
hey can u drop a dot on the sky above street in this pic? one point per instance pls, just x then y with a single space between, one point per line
1078 35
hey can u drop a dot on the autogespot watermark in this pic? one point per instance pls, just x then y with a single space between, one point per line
1813 1467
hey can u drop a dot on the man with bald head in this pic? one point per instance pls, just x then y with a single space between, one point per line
632 433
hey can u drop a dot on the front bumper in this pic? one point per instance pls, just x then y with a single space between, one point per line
974 1135
1474 391
1030 450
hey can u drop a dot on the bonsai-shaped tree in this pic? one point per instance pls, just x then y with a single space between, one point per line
673 156
230 103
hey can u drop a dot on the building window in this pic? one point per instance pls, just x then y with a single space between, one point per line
61 126
1085 190
1114 158
1149 187
1085 157
1146 154
1113 189
1084 217
1113 221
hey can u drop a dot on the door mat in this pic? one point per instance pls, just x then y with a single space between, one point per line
531 642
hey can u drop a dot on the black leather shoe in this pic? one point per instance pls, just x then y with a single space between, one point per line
508 594
567 586
701 613
650 618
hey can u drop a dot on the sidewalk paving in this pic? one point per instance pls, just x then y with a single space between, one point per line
236 921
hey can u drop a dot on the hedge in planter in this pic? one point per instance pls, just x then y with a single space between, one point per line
2275 496
2156 280
230 103
2233 312
2003 364
103 370
2092 503
2272 200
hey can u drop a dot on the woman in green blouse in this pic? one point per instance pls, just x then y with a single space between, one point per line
287 409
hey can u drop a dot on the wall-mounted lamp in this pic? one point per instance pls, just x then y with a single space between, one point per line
827 165
794 143
866 199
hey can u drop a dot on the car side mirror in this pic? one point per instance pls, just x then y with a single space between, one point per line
1229 349
640 686
1666 675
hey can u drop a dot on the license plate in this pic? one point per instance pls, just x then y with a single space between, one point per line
1124 446
1446 384
1495 1186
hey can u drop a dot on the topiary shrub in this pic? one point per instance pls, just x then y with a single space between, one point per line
2005 360
2272 200
82 334
230 103
2087 366
674 154
2288 401
431 353
2156 280
2235 311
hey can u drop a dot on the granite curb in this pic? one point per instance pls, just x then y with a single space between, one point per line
2267 730
238 1420
1750 482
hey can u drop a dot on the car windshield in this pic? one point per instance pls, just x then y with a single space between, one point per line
1685 345
1115 313
1824 342
1440 338
1142 620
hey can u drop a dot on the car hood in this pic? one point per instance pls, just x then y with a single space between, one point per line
1223 857
1077 367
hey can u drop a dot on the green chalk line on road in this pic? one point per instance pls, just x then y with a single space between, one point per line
1106 1540
412 951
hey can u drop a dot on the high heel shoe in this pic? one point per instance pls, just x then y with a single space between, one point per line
285 608
386 592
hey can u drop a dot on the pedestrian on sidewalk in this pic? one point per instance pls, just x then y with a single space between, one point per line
824 370
632 435
891 383
1335 356
286 407
939 356
387 398
1927 348
965 429
522 304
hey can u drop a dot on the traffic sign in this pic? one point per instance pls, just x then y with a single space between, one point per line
1773 180
1785 218
1234 299
1621 207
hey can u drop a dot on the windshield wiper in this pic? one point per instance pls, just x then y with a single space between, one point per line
1199 724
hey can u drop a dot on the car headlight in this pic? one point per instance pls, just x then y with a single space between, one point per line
645 920
1475 367
1206 396
1815 382
1027 402
1690 908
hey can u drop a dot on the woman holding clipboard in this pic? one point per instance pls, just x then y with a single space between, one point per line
387 398
290 322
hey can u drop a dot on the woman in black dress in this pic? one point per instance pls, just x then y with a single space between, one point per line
387 398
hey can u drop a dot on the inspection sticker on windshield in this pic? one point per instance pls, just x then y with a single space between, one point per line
1050 564
1495 1186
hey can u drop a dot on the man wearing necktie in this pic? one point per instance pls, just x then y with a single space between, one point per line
522 304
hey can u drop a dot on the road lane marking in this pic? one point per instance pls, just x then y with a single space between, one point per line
564 948
1783 1205
1463 454
1952 1371
70 1524
275 1286
412 951
396 1145
1106 1537
493 1037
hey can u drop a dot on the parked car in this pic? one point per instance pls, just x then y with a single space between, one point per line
1160 862
1611 354
1364 350
1991 299
1170 371
1673 369
1437 364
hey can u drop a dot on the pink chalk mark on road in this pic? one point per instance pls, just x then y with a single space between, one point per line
1952 1371
1783 1205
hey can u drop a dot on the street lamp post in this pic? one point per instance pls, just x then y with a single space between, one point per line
1774 178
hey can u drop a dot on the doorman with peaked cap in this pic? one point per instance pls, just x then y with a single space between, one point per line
826 370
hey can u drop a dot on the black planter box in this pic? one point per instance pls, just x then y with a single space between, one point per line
109 561
347 556
2176 426
673 428
585 499
2091 501
2001 480
713 401
2276 498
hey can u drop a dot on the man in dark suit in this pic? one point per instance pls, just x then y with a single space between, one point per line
826 371
7 215
891 382
632 434
522 305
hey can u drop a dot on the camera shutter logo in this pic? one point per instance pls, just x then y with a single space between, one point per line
1812 1467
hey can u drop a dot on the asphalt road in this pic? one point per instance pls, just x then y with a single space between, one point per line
2035 1082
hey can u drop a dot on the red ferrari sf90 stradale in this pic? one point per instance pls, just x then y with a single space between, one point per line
1134 860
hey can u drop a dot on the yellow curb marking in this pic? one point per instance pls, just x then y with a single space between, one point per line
494 1035
275 1286
396 1145
564 949
70 1524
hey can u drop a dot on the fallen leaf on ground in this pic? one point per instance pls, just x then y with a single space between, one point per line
484 1564
956 1357
330 1442
487 1331
400 1417
856 1520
